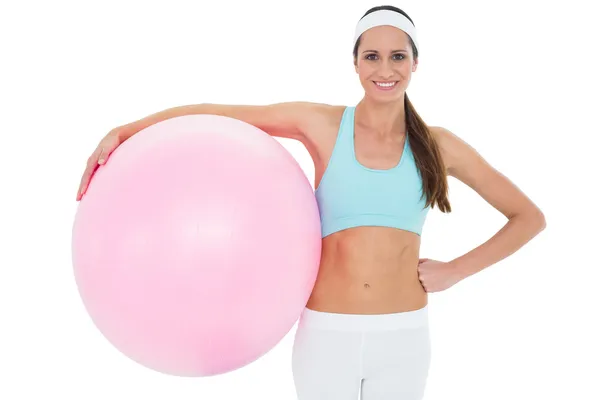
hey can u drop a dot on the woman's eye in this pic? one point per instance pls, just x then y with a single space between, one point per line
395 57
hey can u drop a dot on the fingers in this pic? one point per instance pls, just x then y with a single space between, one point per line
98 157
92 164
102 156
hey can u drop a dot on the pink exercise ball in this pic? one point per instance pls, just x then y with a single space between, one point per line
197 245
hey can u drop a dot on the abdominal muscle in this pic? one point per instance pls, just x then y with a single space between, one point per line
369 270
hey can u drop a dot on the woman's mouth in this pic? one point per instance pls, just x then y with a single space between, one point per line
385 85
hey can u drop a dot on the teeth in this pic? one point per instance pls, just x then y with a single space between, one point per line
386 84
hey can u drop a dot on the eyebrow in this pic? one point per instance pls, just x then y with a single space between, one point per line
393 51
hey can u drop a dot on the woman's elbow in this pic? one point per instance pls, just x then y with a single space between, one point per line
538 219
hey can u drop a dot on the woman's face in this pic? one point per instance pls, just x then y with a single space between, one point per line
385 63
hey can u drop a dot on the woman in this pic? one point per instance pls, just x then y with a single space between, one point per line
378 170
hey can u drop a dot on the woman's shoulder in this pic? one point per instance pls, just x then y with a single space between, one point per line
319 119
453 149
320 110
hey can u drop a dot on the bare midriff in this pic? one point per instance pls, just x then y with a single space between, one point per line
369 270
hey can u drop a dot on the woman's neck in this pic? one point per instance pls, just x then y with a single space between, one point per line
381 119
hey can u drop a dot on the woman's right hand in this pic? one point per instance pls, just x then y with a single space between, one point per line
106 146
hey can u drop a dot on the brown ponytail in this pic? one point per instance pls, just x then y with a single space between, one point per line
427 158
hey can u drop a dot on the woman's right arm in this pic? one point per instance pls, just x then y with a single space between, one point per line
281 119
287 120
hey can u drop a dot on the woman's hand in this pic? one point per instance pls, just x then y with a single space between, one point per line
106 146
436 276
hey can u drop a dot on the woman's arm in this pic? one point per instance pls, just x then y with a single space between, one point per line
286 120
525 219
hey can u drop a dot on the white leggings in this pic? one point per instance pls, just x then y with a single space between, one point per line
368 357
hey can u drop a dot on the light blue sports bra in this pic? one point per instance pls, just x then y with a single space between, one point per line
351 195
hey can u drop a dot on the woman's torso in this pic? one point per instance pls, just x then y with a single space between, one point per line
364 269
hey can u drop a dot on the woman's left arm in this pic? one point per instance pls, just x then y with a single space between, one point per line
525 219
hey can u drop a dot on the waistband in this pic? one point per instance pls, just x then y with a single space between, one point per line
364 322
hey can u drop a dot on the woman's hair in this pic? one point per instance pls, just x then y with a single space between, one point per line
423 145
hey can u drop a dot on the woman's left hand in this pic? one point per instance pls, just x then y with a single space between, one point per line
436 276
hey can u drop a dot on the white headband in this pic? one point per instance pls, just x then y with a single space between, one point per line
386 17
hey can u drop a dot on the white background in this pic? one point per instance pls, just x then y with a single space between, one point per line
516 79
